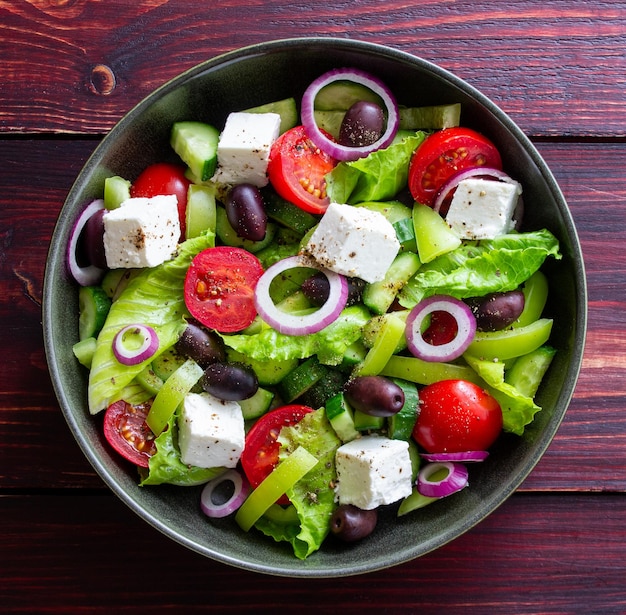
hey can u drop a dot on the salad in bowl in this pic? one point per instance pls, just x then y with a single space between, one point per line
323 317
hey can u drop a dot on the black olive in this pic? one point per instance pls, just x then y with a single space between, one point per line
246 212
374 395
350 523
497 311
204 347
317 288
362 125
230 381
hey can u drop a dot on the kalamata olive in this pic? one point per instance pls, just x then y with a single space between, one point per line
230 381
350 523
497 311
204 347
92 240
374 395
316 289
362 125
246 213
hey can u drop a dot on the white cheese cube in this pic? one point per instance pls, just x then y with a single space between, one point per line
244 146
354 241
211 431
373 471
141 232
483 208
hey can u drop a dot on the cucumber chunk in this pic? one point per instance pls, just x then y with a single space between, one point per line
286 108
257 405
93 308
430 118
196 144
341 417
342 94
84 351
288 214
201 210
301 379
116 191
401 424
167 363
367 422
528 371
149 380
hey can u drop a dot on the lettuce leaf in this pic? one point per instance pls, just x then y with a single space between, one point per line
518 410
376 177
312 496
155 298
166 466
329 344
481 267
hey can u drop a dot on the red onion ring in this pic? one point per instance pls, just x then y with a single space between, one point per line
90 275
344 152
241 489
465 456
457 178
133 356
299 324
455 480
466 325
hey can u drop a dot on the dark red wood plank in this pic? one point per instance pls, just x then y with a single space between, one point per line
557 68
36 449
536 554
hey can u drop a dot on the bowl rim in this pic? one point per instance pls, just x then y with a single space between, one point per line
578 342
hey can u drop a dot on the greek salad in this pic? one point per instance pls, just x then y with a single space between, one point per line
324 307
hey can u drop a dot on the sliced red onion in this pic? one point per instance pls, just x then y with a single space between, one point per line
466 325
457 178
299 324
344 152
455 479
133 355
465 456
241 489
89 275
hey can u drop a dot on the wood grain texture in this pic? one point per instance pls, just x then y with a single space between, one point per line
558 68
535 554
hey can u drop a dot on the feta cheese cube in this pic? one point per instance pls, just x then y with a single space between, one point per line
373 471
483 208
142 232
210 431
354 241
244 146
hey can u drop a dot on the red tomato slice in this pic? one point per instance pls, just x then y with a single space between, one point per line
126 431
219 288
297 168
164 178
442 329
445 153
457 416
260 454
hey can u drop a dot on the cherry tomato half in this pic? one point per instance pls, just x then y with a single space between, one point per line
164 178
297 168
442 329
126 431
219 288
443 154
457 416
260 453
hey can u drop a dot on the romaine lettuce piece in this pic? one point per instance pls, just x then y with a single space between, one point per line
154 297
481 267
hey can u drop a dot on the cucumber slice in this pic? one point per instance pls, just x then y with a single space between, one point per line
432 234
201 210
342 94
288 214
116 191
301 379
93 308
528 371
378 296
286 108
430 118
401 424
257 405
228 236
196 144
84 351
341 417
329 385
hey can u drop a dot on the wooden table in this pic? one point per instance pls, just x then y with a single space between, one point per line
69 69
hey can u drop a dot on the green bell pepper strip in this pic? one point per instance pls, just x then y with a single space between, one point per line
284 476
426 372
385 345
171 395
510 343
535 296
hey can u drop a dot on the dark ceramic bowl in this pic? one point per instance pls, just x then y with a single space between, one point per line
249 77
